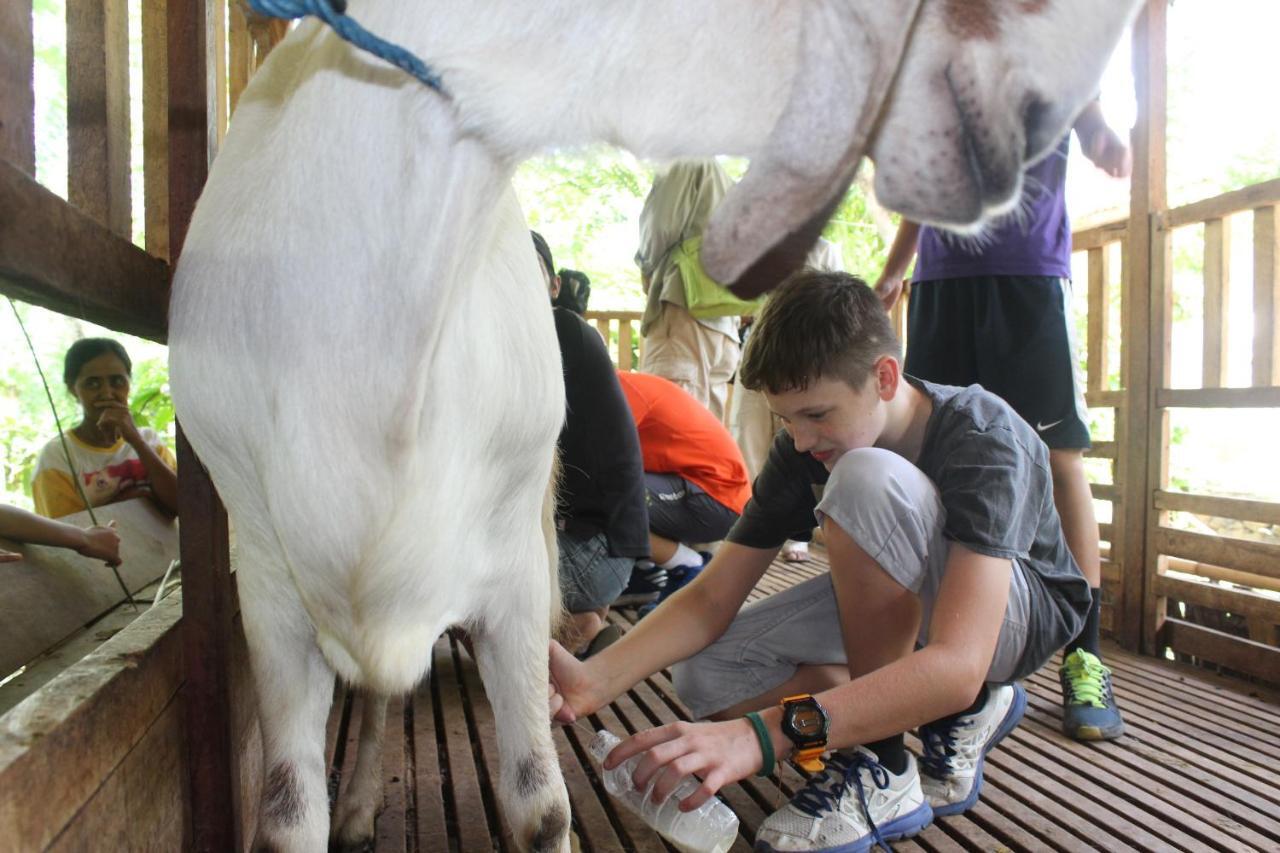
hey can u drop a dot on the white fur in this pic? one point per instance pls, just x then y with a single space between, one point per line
361 349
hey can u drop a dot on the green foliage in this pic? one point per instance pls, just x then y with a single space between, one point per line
151 404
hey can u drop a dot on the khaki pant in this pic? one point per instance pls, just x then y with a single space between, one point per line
699 360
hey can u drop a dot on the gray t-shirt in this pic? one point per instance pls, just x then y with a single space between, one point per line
992 474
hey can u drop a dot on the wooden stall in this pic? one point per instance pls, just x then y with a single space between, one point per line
153 733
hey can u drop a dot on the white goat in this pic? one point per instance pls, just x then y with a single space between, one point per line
362 353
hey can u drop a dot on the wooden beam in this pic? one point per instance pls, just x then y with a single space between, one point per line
98 111
1219 597
17 94
1218 573
155 126
1146 294
208 596
1262 512
1218 398
1257 558
1099 236
1265 194
1217 301
57 257
1099 317
1266 297
1222 648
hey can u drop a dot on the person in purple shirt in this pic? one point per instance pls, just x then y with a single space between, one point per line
993 310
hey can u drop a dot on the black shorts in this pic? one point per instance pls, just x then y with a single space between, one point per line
1011 335
682 512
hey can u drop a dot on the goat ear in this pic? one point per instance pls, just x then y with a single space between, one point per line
766 224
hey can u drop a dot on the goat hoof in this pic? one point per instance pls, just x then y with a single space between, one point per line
352 833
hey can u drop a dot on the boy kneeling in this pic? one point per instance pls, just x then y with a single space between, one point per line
950 580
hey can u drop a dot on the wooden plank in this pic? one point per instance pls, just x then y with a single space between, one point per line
391 829
98 112
1219 573
1218 398
1221 648
472 818
1217 300
189 151
82 724
1105 399
210 604
1099 236
53 593
1258 558
1265 194
1099 318
1266 297
216 35
428 822
155 127
139 806
1105 492
626 361
239 54
1263 512
1219 597
17 93
57 257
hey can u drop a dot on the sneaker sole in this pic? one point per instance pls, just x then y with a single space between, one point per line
1010 722
1096 732
909 825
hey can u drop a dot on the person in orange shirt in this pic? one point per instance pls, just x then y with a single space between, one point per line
696 482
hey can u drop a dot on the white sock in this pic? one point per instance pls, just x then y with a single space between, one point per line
684 556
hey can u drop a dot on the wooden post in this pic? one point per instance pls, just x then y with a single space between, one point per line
98 111
155 126
17 95
1143 354
1217 300
1099 317
1266 298
207 601
217 46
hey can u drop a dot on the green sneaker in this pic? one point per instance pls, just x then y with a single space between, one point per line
1089 710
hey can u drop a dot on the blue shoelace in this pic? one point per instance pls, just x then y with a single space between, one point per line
816 798
939 743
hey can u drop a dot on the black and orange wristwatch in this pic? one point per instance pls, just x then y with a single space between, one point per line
805 723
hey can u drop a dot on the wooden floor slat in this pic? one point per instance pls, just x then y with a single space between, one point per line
1196 771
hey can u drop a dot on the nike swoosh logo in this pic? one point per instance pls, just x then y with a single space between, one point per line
1042 427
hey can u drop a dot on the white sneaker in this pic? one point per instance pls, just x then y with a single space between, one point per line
850 806
954 749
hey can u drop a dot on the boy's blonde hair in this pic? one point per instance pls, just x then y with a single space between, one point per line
817 325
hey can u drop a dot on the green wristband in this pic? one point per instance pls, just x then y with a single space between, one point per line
766 743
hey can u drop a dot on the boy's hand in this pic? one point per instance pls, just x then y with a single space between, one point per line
717 753
116 420
102 543
570 689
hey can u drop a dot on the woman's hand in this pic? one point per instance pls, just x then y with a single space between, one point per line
717 753
116 421
570 691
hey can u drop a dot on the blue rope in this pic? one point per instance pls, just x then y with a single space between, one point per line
334 13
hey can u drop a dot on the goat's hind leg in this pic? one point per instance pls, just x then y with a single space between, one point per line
362 799
294 684
511 650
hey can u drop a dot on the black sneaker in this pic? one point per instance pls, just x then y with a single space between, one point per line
677 579
646 584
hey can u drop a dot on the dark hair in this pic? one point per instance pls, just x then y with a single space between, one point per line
575 291
816 325
86 350
544 252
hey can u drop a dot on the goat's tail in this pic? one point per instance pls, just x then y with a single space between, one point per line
553 548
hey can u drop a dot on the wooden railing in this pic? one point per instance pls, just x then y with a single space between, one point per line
621 333
1209 597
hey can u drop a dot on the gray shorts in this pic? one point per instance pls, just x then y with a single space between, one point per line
590 577
893 511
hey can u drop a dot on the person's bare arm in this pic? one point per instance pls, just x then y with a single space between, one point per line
685 624
1102 145
942 678
901 253
22 526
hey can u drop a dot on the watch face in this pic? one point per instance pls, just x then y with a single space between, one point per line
807 721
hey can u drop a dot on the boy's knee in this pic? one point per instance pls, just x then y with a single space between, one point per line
693 682
874 485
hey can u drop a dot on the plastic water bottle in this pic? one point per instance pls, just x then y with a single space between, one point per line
710 828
